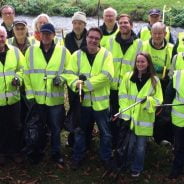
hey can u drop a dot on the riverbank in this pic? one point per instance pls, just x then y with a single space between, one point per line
136 8
65 24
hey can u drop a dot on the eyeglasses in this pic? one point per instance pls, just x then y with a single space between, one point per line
7 13
94 38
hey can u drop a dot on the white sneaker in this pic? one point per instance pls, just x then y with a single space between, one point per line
135 174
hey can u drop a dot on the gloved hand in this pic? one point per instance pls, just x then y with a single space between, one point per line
149 105
124 123
158 69
57 81
16 82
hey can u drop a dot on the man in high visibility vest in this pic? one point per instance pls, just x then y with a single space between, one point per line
154 15
109 27
44 84
11 71
75 40
160 51
96 65
179 46
124 48
8 15
20 39
175 95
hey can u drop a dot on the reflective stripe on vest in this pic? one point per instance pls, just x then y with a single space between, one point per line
11 94
142 123
79 59
179 114
43 93
96 99
130 97
7 73
117 80
2 95
179 99
69 72
32 70
124 116
108 75
178 76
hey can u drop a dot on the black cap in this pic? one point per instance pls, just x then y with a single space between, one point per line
47 28
154 12
20 22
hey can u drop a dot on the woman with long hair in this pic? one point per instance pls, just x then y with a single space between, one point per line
141 85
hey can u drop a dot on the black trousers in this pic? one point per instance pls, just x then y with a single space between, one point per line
10 129
114 108
178 162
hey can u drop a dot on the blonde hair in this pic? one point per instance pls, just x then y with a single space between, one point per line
35 21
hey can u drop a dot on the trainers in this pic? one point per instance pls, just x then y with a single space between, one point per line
58 159
135 174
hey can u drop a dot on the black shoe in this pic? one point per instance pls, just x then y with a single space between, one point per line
75 164
174 175
58 159
109 165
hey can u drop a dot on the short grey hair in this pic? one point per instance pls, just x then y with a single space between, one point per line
110 9
159 25
2 28
35 21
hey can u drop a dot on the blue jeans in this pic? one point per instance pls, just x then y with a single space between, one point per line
54 116
102 120
136 152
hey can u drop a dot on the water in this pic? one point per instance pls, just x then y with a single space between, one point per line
65 23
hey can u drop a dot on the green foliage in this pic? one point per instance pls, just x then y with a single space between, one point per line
175 17
136 8
69 11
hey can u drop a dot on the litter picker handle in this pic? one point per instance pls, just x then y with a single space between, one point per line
129 107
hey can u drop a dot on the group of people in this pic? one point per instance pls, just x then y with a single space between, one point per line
106 70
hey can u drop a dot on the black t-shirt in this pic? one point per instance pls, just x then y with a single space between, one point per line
91 57
49 53
3 55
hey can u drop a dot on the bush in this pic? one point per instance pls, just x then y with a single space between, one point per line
175 17
69 11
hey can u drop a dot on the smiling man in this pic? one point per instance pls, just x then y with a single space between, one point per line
44 84
109 27
160 51
8 15
11 74
154 15
124 48
20 38
96 67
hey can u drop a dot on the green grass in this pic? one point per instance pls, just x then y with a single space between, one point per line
157 165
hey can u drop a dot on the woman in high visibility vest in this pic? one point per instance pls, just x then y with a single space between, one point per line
136 86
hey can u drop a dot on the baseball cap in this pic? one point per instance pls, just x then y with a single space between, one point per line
20 22
47 28
154 12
